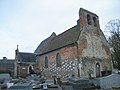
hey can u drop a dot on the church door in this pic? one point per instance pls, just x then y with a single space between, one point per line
30 70
97 70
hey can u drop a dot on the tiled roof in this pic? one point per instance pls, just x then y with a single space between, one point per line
27 57
44 43
66 38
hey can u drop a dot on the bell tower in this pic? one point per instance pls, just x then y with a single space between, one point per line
88 19
95 48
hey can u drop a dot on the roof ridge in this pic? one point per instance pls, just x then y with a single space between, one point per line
27 52
65 38
66 30
63 32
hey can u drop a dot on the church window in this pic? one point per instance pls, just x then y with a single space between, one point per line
94 21
89 19
58 60
46 62
98 70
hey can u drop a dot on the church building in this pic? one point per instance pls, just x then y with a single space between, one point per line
82 50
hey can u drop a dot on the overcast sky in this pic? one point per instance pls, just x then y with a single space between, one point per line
28 22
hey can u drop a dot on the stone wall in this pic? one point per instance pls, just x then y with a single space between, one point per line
88 66
92 49
23 69
109 82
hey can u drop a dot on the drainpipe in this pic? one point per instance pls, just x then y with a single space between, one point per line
77 59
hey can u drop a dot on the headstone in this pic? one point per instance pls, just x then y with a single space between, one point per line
45 87
80 84
110 81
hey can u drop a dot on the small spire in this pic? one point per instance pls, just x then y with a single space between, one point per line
17 50
17 46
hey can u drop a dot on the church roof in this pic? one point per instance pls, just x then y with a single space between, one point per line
27 57
66 38
44 43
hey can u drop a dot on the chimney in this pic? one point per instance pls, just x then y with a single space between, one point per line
4 58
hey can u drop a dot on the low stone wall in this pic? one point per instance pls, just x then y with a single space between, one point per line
111 82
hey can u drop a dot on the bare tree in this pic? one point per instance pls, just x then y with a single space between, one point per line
113 26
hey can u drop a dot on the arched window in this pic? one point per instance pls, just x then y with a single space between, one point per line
89 19
58 60
98 70
46 62
94 21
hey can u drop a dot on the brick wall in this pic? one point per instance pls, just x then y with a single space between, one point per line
68 55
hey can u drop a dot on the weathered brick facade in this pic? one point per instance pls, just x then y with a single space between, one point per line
83 50
68 56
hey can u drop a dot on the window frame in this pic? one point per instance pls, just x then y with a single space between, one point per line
94 21
46 62
89 20
58 60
